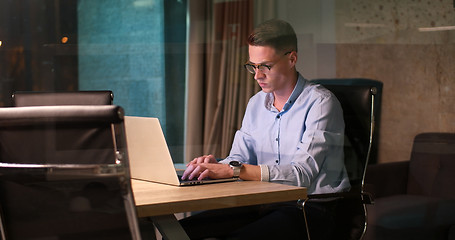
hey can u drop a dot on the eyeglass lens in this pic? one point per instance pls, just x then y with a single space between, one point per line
262 67
251 68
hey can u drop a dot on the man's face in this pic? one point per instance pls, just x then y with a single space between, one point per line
276 78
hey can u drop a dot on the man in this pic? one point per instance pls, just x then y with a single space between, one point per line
292 133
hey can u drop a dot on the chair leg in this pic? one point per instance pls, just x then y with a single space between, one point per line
366 222
302 203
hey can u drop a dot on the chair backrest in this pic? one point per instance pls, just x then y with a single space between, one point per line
66 202
359 100
62 134
432 165
23 99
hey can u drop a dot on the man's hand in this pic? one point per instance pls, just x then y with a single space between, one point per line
206 166
203 159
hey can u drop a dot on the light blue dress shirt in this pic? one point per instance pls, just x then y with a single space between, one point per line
300 145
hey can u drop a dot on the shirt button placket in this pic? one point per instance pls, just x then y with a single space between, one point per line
278 118
278 146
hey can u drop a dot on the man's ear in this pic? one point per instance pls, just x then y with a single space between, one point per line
293 58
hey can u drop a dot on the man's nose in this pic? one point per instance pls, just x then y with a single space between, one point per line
258 74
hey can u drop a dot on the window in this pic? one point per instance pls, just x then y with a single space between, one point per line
135 48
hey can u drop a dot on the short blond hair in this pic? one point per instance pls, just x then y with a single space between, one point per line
274 33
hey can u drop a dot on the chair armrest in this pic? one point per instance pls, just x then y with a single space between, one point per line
354 194
387 179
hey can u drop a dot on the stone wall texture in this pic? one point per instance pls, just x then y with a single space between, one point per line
395 42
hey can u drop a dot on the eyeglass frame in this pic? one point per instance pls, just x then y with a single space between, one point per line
256 67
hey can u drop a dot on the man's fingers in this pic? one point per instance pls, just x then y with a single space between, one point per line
204 174
202 159
197 168
188 171
207 159
196 172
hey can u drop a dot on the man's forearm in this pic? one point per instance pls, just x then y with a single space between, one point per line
250 172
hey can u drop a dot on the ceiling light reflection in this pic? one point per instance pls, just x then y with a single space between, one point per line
365 25
434 29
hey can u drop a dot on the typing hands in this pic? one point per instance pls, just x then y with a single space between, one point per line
206 167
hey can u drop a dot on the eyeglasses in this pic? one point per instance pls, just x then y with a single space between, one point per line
263 68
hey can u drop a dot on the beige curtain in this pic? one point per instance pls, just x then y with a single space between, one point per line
218 87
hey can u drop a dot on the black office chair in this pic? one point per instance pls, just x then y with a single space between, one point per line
62 134
23 99
66 202
64 174
358 98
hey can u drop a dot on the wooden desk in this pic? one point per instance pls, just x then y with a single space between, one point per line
161 201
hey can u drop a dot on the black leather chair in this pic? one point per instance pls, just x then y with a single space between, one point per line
23 99
67 202
415 199
58 184
359 100
355 100
61 134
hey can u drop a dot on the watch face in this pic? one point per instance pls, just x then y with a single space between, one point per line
235 163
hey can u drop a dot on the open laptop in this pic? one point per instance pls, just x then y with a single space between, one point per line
149 155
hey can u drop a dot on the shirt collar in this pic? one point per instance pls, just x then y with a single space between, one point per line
294 95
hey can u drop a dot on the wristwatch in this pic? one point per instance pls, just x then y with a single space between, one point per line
236 166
